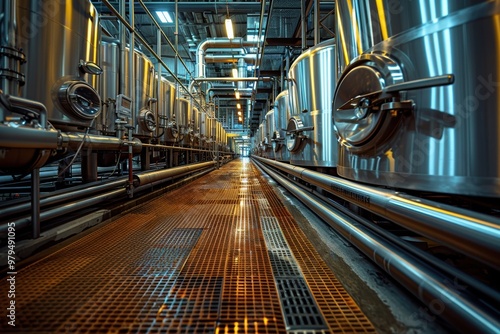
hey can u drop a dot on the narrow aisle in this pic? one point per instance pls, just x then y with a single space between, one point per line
220 255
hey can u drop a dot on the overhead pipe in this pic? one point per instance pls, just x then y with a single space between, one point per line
460 309
217 43
249 58
465 231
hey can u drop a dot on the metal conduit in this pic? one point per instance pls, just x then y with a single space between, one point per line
415 251
145 178
44 139
68 194
434 290
66 208
468 232
152 177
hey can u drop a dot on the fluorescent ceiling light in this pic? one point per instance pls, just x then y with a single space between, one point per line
229 29
235 72
238 105
237 94
164 16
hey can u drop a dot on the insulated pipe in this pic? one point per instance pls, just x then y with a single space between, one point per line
432 288
465 231
151 177
217 43
99 143
28 138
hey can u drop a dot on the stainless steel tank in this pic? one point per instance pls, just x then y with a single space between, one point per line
196 127
311 137
60 41
426 114
143 108
183 117
281 117
166 116
270 128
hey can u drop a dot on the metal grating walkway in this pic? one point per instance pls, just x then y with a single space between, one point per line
220 255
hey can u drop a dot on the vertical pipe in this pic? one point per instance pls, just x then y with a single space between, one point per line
316 22
159 97
131 74
303 24
35 202
122 49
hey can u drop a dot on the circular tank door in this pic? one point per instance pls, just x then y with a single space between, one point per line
359 121
79 99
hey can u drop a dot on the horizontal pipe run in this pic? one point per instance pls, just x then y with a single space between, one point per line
67 195
67 208
28 138
149 185
99 143
151 177
468 232
433 289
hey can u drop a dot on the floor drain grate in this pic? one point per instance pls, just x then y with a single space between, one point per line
300 310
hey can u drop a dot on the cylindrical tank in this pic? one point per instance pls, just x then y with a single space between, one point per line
60 41
311 138
183 118
144 96
196 127
143 99
166 106
204 133
268 137
438 130
281 117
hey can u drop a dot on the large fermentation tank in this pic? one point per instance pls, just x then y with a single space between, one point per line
183 117
311 137
60 41
281 117
143 97
166 112
196 127
440 133
270 128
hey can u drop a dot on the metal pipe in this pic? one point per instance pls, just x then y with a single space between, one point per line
465 231
303 24
99 143
67 208
24 106
122 47
431 287
131 61
28 138
249 58
316 22
150 177
68 194
217 43
35 203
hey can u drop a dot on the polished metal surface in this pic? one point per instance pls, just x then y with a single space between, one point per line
281 117
194 260
73 28
108 85
468 232
463 312
312 84
182 117
446 138
166 114
270 128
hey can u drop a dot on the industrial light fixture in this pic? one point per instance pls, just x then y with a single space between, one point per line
235 71
238 105
164 16
239 113
237 95
229 28
240 119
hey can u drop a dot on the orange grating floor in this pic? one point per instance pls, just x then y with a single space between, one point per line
220 255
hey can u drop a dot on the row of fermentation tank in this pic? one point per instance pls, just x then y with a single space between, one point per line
406 97
61 76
